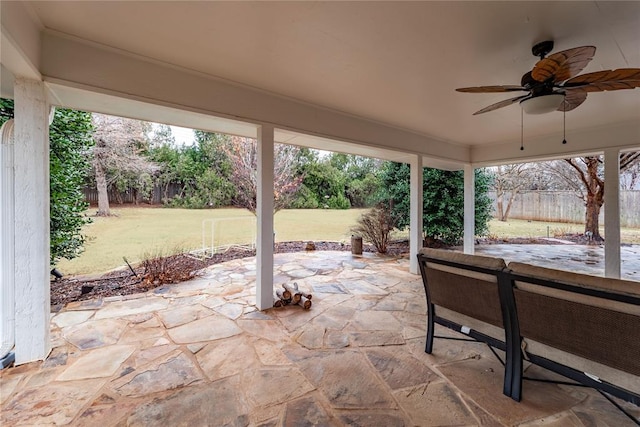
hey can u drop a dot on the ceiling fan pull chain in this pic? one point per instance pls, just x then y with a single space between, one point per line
564 124
521 129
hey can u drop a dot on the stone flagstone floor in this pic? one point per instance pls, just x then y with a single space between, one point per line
200 354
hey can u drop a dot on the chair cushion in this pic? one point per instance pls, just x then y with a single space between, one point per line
627 287
474 260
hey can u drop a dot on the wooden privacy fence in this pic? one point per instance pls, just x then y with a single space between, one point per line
91 195
566 206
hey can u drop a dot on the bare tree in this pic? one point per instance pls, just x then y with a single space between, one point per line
375 226
630 179
586 176
508 181
243 153
117 153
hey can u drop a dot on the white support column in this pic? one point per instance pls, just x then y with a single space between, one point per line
31 157
7 250
264 249
612 213
469 209
415 216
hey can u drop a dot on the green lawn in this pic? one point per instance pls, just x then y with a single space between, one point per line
139 231
135 232
524 228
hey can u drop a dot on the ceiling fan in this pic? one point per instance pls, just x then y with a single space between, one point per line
554 83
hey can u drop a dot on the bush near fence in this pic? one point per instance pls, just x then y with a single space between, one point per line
538 205
566 206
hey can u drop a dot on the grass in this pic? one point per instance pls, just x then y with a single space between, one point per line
138 232
524 228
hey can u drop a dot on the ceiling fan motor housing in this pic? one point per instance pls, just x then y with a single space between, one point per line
542 49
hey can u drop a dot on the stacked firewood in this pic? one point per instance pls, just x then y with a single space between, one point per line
290 294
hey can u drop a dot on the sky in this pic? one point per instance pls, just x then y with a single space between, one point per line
183 136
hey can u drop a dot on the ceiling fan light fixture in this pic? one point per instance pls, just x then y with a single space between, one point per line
542 104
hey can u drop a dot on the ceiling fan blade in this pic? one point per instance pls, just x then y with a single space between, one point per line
572 99
500 104
490 89
622 78
563 65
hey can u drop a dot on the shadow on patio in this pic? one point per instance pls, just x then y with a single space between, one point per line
199 354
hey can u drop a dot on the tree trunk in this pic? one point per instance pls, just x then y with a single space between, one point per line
512 196
595 199
103 194
592 221
500 207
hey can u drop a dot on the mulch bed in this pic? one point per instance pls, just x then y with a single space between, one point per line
125 282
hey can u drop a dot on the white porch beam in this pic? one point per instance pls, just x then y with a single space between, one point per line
20 41
31 161
612 213
469 209
264 245
415 215
621 136
69 62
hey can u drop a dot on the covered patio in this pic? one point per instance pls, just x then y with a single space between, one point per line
200 353
374 79
369 78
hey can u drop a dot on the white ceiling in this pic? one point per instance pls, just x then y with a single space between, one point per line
394 62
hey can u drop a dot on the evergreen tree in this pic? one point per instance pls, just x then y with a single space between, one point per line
443 201
70 139
323 186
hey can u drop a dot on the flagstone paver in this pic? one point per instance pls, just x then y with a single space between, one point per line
307 412
486 374
269 329
7 386
227 357
134 306
399 369
372 419
99 363
199 353
106 413
270 354
375 321
219 403
343 375
183 314
178 371
143 357
275 385
210 328
435 404
69 318
336 339
231 310
138 333
95 333
57 404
